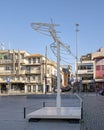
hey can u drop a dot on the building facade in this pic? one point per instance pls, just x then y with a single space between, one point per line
91 71
41 74
67 75
98 58
25 73
86 75
12 71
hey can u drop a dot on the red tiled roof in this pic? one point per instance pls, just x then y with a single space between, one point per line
98 57
34 55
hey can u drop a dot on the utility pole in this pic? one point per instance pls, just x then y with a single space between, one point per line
46 71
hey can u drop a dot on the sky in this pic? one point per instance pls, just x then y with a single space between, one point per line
16 32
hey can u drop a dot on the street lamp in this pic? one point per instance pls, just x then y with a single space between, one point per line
77 25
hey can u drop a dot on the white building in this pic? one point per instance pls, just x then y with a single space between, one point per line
22 72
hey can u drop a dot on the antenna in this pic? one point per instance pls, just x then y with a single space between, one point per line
2 46
9 45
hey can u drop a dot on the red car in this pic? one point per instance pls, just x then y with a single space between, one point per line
66 89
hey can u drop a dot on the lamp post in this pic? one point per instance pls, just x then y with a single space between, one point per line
77 51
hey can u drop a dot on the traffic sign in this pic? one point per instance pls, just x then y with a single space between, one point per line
8 79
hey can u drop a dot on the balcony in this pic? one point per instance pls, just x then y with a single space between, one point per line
2 80
6 61
17 81
6 72
33 71
22 71
31 62
87 71
88 81
20 61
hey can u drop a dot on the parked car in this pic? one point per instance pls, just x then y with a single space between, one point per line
66 88
101 92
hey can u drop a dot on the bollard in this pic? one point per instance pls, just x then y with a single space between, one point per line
86 128
24 112
82 110
43 104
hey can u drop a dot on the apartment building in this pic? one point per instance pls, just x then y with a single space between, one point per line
12 71
86 74
91 71
98 58
41 74
22 72
67 74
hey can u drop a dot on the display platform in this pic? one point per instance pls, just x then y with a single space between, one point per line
56 113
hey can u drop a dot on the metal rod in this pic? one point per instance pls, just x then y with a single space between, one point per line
24 112
82 111
58 76
43 104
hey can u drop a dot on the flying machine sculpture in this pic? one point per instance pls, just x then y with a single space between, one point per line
57 112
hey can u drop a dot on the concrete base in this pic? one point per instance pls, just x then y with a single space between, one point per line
56 113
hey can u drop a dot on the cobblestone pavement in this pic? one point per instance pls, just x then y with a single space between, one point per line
11 114
93 115
12 117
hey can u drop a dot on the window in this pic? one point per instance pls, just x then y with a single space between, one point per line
40 88
22 56
82 67
16 55
102 67
86 77
22 78
22 67
89 67
34 88
98 67
33 78
48 81
29 60
29 88
39 78
38 60
28 68
28 78
11 56
38 68
34 60
55 73
5 57
48 71
18 78
7 67
13 78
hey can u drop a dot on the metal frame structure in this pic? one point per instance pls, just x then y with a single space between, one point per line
49 30
57 112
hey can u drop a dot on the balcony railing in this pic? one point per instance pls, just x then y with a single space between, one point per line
88 81
6 61
7 72
33 71
87 71
21 60
22 71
